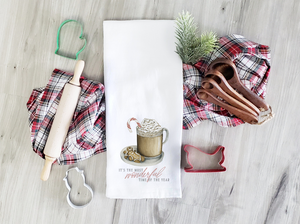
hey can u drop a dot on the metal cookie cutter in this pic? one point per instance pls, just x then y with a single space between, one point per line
69 188
80 37
193 167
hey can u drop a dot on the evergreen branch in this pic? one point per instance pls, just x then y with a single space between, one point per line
189 46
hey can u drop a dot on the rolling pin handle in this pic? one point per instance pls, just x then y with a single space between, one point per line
77 73
47 168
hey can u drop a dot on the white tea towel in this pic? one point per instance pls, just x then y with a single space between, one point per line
143 81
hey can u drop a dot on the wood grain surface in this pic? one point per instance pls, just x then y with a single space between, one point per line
262 181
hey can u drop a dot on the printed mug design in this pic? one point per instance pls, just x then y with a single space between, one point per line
149 148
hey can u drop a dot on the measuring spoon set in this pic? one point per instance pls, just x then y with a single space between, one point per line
222 86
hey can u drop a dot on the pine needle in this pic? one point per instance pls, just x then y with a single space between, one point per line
189 46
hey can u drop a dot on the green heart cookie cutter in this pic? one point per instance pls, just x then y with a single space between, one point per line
80 37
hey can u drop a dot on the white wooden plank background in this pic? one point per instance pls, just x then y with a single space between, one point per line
262 181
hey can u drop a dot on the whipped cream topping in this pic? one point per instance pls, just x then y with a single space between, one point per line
149 127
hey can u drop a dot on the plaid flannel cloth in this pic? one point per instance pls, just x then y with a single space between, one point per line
253 65
86 135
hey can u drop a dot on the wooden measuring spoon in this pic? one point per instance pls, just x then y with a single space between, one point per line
247 117
222 82
212 86
228 69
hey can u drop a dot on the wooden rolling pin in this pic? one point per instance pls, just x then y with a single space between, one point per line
62 120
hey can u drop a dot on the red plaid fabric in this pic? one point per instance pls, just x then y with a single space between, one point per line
86 135
253 65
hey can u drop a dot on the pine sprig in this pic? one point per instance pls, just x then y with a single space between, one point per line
189 46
